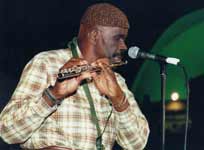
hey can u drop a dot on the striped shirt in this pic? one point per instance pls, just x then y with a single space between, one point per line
28 120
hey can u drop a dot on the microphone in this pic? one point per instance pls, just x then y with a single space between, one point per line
134 53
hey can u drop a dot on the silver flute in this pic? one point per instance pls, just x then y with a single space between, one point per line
78 70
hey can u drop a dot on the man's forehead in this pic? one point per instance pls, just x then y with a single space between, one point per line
116 30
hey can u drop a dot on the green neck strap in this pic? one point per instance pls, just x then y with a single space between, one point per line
72 45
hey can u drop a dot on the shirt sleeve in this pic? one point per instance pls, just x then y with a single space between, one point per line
132 126
26 110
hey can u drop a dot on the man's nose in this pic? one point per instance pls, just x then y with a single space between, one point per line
122 45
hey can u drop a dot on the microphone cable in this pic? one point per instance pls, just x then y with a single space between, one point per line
187 105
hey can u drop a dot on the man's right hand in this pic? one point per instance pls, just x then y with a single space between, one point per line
65 88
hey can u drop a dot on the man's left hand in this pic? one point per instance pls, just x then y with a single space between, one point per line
106 82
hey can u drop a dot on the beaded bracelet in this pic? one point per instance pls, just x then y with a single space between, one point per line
122 102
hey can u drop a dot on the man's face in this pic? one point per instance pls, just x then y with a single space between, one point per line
111 40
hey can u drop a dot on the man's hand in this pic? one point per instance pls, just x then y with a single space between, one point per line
65 88
107 85
106 81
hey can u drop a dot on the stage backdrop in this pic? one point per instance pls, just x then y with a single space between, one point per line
184 40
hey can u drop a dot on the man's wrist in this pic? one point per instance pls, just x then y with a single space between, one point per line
117 98
50 98
121 104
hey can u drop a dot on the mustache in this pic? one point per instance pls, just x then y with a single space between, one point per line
119 53
118 56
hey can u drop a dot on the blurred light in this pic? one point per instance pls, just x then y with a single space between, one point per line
174 96
175 106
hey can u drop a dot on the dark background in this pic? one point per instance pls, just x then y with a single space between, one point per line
28 27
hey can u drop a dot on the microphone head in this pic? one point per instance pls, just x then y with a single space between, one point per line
133 52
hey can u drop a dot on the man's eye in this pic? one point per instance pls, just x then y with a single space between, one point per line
117 38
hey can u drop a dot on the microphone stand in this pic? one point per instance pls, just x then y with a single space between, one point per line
163 97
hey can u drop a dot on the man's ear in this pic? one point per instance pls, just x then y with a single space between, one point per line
93 36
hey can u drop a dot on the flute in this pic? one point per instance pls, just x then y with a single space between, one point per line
78 70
